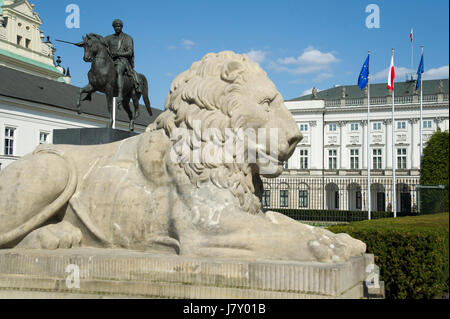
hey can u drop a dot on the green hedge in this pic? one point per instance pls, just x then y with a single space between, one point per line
331 215
412 253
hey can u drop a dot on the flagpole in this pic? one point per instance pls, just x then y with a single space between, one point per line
421 114
412 49
368 148
394 197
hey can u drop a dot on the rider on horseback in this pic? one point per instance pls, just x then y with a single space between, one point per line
122 51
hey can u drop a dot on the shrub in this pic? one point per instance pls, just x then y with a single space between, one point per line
412 253
434 171
317 215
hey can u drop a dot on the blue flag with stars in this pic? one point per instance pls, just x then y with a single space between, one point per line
364 75
419 73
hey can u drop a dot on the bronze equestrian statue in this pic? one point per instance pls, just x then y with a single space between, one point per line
112 72
121 46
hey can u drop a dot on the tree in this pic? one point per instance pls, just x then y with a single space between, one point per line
434 171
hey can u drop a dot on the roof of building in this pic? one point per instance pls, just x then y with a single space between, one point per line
377 90
24 86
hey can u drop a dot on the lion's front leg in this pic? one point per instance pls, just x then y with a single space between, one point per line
231 233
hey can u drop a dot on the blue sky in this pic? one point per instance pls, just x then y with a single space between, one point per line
300 44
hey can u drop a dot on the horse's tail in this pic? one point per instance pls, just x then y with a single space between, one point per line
144 84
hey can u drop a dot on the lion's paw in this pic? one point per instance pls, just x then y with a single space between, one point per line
329 247
63 236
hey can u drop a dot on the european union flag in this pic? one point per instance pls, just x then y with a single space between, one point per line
419 73
364 75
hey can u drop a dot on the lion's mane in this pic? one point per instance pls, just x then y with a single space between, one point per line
207 92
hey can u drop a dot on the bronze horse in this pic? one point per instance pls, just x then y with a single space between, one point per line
103 78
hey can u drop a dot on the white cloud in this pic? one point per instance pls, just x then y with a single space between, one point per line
187 44
311 56
312 60
171 47
437 73
257 55
400 74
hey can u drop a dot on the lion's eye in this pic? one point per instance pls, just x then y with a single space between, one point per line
266 104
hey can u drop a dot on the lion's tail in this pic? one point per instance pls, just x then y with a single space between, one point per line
48 211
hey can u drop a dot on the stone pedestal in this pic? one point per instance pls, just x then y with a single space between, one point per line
125 274
90 136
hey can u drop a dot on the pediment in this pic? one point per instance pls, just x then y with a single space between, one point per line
24 7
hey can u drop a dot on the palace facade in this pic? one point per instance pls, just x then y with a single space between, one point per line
329 167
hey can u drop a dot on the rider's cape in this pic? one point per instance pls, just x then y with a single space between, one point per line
126 47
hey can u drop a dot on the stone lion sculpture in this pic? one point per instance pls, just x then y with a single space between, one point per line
137 194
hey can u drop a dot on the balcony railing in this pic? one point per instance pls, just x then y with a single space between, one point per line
384 100
403 100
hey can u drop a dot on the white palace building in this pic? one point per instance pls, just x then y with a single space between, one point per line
329 167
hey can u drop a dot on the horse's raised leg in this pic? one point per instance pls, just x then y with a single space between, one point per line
87 89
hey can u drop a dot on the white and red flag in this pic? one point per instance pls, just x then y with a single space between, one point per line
391 78
411 36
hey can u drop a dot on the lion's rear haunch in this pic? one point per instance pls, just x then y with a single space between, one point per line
134 195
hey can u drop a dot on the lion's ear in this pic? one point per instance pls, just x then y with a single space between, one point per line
231 71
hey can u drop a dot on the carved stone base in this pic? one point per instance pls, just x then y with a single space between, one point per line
90 136
125 274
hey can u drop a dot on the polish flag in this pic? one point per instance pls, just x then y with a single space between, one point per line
411 36
391 78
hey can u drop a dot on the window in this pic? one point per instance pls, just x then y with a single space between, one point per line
9 141
336 199
266 198
401 125
354 127
286 165
303 199
304 127
332 159
427 124
358 200
401 158
303 159
43 138
19 40
377 158
354 159
284 198
27 43
376 126
332 127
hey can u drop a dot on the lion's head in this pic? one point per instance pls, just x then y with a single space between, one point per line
229 92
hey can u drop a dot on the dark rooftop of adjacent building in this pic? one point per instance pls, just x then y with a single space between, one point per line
378 90
24 86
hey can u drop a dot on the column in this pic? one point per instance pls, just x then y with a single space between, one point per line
342 125
314 149
363 144
388 145
413 123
